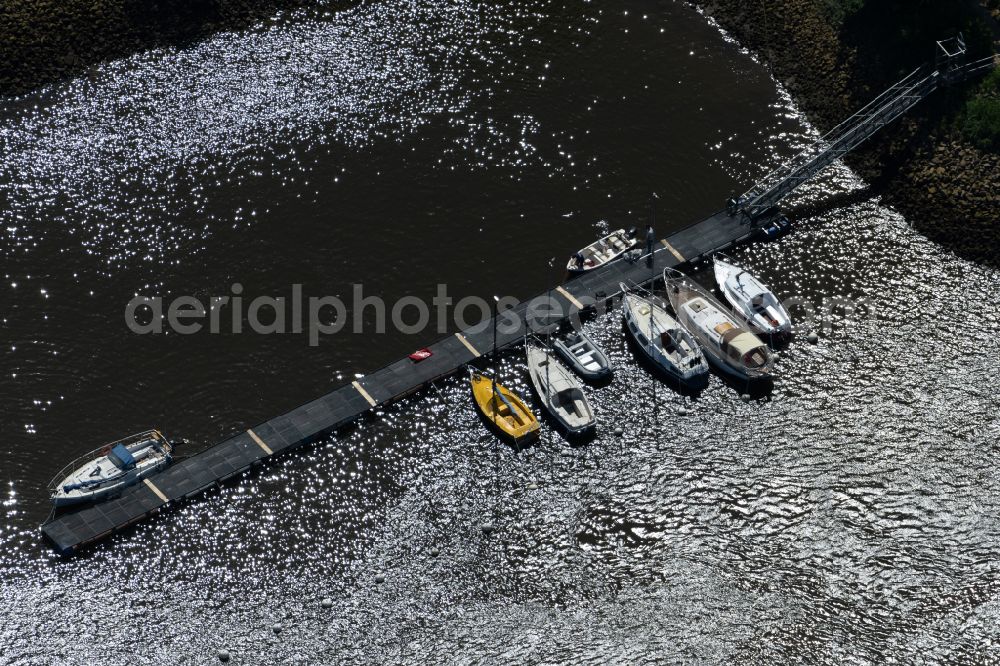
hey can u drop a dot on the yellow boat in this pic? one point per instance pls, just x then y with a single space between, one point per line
504 409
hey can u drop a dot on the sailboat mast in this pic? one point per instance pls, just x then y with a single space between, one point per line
548 382
652 286
652 274
548 361
496 368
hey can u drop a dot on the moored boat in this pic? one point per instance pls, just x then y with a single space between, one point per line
107 471
600 252
728 343
582 355
663 340
752 300
559 391
503 409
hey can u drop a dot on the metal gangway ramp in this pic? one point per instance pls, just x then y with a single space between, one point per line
845 137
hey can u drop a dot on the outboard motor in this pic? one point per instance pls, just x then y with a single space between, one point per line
775 228
732 206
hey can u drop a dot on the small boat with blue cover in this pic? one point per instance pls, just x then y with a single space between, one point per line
106 471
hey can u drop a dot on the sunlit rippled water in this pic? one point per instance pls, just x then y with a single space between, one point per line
185 118
848 517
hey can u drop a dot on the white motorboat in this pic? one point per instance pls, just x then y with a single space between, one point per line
663 340
559 390
598 253
106 471
752 300
729 344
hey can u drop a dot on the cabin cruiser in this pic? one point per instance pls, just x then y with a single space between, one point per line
107 471
729 344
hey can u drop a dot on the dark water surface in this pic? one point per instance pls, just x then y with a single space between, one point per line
848 517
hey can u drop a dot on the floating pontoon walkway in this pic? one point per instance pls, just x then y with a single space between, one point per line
195 475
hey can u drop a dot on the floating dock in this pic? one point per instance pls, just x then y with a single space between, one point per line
743 219
184 480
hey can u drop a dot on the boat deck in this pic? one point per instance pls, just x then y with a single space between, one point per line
190 477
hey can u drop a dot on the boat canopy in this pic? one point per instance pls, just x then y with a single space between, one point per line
730 335
745 342
121 457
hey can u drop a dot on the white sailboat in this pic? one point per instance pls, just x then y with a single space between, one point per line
663 340
752 300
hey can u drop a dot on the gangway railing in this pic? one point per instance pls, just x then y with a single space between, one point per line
848 135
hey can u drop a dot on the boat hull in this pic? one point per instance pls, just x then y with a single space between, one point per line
601 252
698 312
107 471
560 393
566 349
504 411
696 376
740 288
109 491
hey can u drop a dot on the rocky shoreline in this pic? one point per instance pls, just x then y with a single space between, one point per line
924 167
